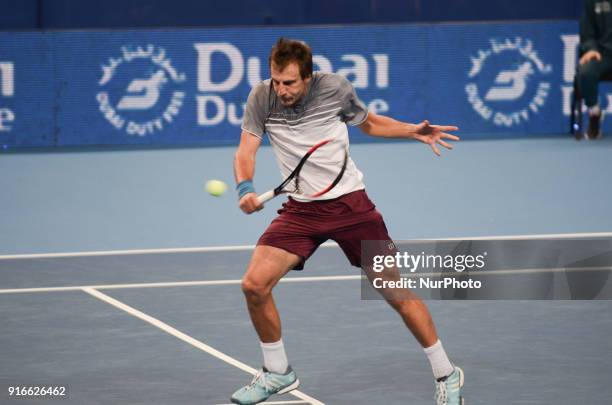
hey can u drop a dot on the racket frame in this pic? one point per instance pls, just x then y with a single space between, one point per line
270 194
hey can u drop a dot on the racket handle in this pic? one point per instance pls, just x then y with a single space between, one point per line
265 197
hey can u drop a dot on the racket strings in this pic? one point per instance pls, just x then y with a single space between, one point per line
336 180
291 185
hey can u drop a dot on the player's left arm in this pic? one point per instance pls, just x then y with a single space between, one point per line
432 135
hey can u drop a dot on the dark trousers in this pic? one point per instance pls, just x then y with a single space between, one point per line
588 78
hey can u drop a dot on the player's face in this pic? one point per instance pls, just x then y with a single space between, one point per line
288 84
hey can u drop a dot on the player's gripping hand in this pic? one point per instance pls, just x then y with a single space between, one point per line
249 203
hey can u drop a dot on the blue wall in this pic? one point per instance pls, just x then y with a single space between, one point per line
71 14
73 88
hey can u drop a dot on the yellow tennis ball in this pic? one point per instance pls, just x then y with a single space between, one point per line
216 187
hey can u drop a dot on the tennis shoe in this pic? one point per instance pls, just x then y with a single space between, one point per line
264 385
448 389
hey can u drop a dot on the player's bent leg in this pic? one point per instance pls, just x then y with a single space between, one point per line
408 305
268 265
417 318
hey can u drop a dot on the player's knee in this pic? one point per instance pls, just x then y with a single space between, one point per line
254 290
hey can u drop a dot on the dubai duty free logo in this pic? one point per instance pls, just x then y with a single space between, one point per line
508 82
141 91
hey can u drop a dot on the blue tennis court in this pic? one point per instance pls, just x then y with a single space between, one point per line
172 328
149 316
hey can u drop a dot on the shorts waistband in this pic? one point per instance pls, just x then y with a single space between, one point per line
331 200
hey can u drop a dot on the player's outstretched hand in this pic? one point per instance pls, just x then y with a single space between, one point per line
434 135
249 203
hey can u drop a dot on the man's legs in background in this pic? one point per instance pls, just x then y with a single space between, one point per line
589 75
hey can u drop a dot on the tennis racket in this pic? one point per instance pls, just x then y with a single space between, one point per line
291 185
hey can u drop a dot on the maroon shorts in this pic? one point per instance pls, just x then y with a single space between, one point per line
302 226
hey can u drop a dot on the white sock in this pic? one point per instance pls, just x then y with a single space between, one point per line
440 364
275 359
595 110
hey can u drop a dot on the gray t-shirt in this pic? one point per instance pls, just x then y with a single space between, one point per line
329 105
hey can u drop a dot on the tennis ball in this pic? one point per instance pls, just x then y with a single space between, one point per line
216 187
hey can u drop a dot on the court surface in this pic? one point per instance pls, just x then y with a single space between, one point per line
172 327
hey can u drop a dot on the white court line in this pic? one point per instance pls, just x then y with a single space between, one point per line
127 252
171 284
278 402
187 339
203 249
251 247
296 279
525 237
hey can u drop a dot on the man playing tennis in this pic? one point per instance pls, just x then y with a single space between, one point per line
297 109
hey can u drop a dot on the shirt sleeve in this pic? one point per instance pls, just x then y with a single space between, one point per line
588 37
354 111
257 109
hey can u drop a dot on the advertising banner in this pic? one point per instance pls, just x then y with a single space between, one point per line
188 87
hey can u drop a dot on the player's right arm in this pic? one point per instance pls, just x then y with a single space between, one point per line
244 170
253 128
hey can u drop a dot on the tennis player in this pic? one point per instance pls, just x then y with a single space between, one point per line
297 109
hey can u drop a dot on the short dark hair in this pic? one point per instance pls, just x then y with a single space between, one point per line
286 51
